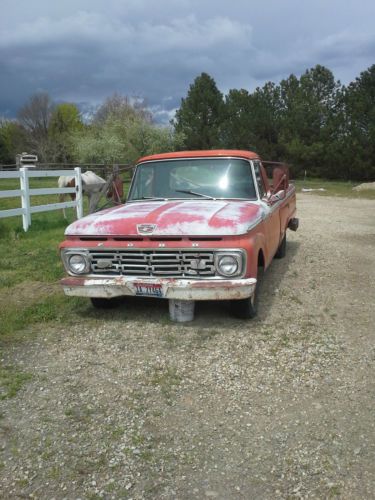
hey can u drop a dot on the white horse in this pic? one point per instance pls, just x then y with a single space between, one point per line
92 186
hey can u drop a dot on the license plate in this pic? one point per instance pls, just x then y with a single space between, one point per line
148 289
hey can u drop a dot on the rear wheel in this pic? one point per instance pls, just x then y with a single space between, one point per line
248 308
100 303
281 251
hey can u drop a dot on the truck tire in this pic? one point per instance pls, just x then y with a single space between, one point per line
101 303
281 251
248 308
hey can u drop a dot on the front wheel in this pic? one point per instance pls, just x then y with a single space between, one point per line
248 308
281 251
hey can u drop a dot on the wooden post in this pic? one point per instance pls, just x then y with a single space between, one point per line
117 186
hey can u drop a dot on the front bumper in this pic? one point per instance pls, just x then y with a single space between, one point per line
167 288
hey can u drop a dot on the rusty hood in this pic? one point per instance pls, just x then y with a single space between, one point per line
171 218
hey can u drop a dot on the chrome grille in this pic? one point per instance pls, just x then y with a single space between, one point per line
172 263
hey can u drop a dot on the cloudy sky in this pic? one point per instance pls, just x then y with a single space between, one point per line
85 50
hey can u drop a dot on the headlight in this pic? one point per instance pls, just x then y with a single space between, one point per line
229 265
77 263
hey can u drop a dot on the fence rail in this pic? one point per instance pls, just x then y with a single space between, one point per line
25 193
121 167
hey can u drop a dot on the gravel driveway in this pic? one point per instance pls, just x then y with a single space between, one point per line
133 406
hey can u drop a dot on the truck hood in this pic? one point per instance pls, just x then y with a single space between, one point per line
171 218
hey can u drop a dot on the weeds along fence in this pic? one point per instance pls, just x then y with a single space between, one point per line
25 193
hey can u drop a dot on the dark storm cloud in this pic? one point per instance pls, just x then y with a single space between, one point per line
155 50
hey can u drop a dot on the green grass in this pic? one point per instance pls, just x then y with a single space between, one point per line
45 182
32 255
19 322
30 268
335 188
167 379
11 381
26 259
79 414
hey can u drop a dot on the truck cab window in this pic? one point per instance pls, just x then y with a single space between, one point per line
259 180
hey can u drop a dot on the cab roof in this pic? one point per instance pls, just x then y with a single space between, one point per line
211 153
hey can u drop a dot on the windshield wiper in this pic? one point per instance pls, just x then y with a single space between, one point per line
156 198
187 191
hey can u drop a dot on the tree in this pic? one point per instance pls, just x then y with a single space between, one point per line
65 121
5 154
12 141
252 120
35 117
237 129
310 120
359 103
266 119
122 107
201 114
123 140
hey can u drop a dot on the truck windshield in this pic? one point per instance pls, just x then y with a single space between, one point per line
214 178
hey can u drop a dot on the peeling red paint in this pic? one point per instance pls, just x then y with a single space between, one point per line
172 218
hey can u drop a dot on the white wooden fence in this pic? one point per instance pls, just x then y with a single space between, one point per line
25 193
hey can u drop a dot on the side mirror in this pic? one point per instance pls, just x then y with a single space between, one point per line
274 198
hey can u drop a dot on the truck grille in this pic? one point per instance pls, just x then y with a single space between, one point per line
172 263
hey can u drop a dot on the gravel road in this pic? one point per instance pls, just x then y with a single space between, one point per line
133 406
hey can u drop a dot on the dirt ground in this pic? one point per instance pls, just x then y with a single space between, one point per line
278 407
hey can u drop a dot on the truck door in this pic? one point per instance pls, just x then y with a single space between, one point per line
271 215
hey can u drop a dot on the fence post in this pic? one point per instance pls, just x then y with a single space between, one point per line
79 197
25 198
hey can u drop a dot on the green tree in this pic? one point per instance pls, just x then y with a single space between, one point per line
65 121
123 139
4 155
266 119
252 120
12 141
122 108
237 129
310 120
5 143
359 146
201 114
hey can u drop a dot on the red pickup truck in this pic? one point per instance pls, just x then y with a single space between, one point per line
197 225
